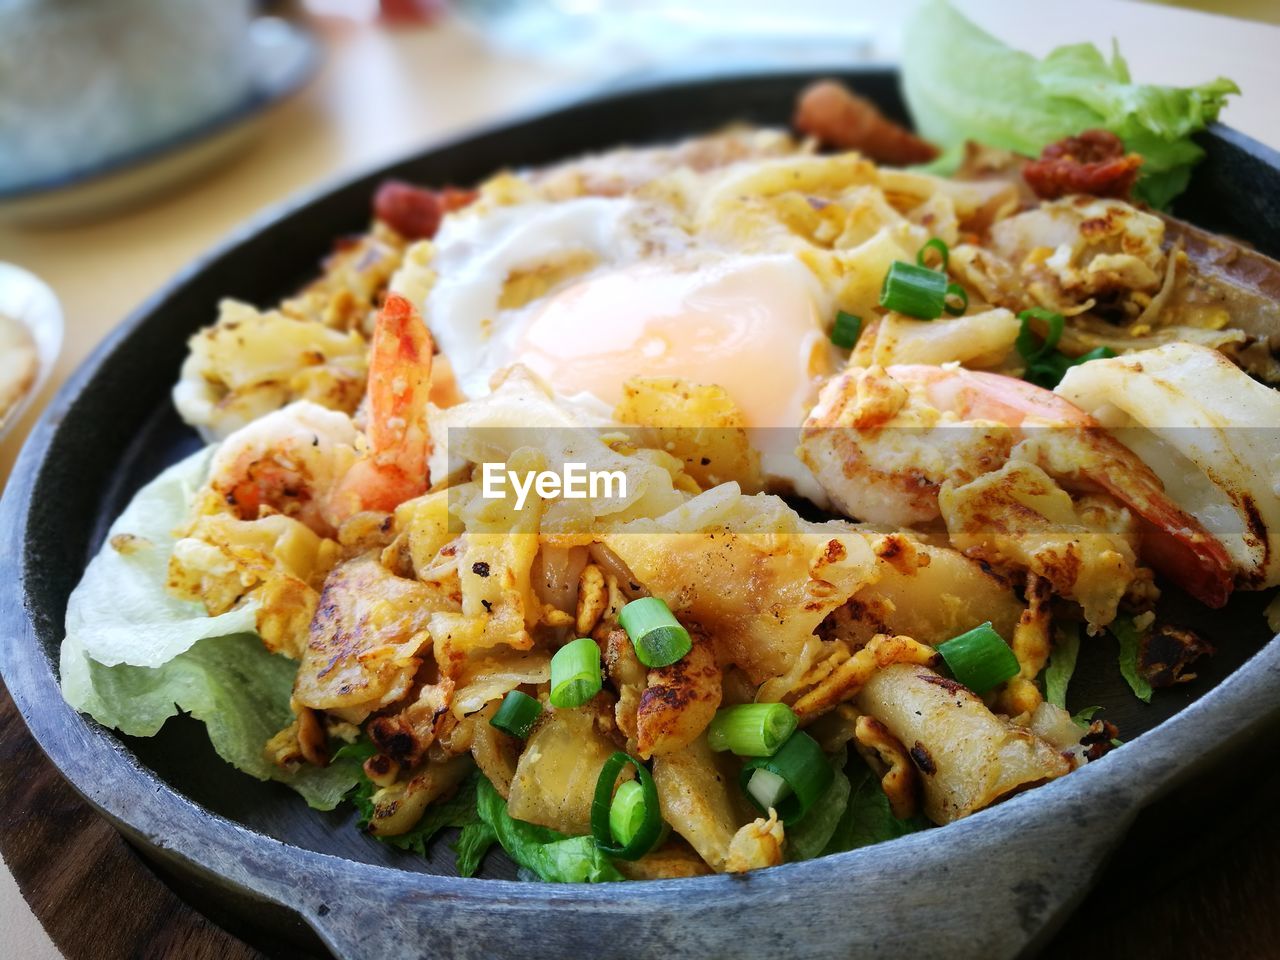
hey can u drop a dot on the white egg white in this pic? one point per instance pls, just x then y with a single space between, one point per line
653 300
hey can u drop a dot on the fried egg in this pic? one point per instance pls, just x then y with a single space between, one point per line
592 291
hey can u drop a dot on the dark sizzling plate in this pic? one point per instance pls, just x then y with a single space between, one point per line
254 856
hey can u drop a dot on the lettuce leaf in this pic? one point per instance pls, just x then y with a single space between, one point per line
472 845
867 819
1062 664
459 810
810 836
554 857
1082 718
232 684
120 612
134 655
961 84
1130 640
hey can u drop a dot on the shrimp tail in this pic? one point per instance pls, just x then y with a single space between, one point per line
1076 447
1173 541
393 468
1200 565
399 379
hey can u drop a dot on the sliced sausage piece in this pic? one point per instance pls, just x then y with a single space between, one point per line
839 118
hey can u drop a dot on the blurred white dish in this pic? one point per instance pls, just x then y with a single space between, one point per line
83 83
284 56
28 308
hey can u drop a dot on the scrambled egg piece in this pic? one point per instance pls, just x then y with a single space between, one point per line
251 363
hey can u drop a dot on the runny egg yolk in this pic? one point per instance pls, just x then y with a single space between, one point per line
749 325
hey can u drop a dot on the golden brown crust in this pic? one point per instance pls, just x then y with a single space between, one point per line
680 699
848 677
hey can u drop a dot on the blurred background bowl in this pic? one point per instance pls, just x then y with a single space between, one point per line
104 103
83 82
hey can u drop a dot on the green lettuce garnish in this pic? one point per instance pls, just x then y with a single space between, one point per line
1130 639
1082 718
962 84
480 813
471 846
552 856
120 612
1062 664
232 685
809 837
459 810
134 655
867 818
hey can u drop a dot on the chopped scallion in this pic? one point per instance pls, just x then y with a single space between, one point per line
656 634
914 291
1046 366
625 823
980 658
846 331
517 715
803 769
1097 353
956 301
767 789
575 673
752 729
944 254
1026 342
627 812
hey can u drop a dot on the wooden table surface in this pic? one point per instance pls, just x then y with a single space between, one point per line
1210 889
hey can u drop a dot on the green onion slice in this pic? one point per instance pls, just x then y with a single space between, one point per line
914 291
1027 340
803 769
575 673
627 812
766 789
956 301
631 813
752 729
517 715
655 633
1046 366
846 331
980 658
943 253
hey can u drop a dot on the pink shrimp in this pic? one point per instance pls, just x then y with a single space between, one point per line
393 466
894 476
283 463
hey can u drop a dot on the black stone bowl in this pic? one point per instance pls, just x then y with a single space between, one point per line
254 857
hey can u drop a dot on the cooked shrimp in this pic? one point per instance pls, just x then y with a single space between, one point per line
1018 519
282 463
1209 431
894 475
303 461
393 466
